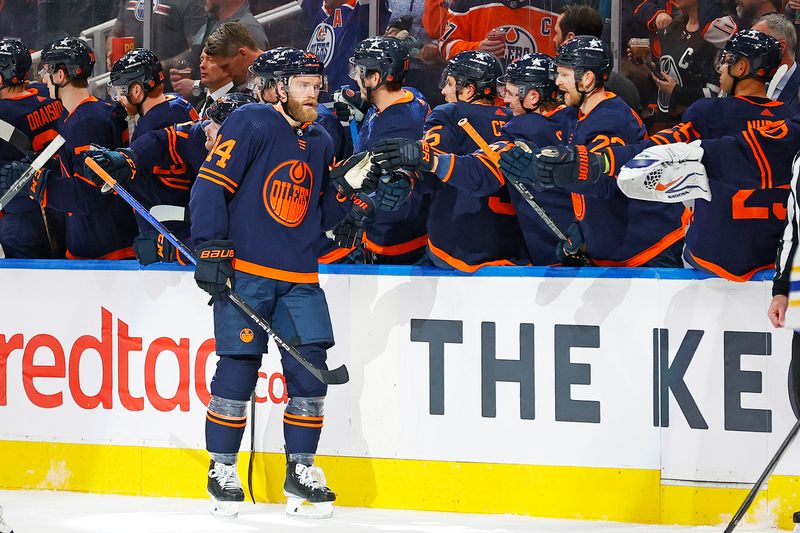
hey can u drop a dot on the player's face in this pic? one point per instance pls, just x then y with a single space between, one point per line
450 91
234 66
565 81
211 129
51 77
510 95
302 96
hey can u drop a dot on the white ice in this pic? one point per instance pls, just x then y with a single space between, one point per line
70 512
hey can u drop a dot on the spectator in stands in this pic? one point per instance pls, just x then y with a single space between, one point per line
498 28
750 10
339 25
216 82
233 49
175 23
434 17
583 20
787 87
685 70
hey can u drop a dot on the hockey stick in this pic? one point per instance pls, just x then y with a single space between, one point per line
772 86
764 475
526 194
35 167
336 376
15 137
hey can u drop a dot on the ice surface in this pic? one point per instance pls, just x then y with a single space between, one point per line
70 512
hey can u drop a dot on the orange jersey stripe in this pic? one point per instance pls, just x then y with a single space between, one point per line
303 417
461 265
396 249
222 423
124 253
721 272
293 423
275 273
651 252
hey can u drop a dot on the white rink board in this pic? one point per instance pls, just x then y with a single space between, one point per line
385 410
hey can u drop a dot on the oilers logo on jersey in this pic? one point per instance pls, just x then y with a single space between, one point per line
322 42
668 66
287 192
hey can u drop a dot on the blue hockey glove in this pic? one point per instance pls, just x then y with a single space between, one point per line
153 248
119 164
10 173
518 166
349 231
572 252
214 270
391 154
562 166
393 190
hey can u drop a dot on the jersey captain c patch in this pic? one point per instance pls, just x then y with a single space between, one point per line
287 192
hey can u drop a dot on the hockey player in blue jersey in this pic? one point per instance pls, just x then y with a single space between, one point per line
539 119
23 229
159 168
466 232
137 83
736 233
618 231
261 199
97 226
379 66
339 25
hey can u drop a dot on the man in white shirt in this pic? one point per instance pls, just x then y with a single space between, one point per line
217 83
778 27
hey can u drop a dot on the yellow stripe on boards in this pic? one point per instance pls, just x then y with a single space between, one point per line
624 495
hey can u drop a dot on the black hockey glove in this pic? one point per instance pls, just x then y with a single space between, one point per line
572 252
11 173
517 165
214 270
153 248
348 105
562 166
119 164
391 154
393 190
349 231
350 175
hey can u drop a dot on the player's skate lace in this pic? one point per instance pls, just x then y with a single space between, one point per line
310 476
226 477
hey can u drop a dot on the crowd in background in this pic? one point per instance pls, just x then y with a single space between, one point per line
668 47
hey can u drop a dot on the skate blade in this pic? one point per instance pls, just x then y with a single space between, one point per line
295 507
227 510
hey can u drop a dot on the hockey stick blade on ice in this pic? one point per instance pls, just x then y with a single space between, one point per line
28 175
336 376
526 194
15 137
748 501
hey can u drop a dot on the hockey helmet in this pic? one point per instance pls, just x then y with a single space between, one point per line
531 71
479 68
763 53
586 53
227 104
261 74
15 62
137 66
386 55
72 54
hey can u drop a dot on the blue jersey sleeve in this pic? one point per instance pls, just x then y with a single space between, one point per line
440 132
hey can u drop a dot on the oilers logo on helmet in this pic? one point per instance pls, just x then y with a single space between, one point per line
287 192
322 42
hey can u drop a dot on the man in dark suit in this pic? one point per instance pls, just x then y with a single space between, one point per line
786 89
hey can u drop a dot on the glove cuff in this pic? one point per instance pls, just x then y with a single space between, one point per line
216 251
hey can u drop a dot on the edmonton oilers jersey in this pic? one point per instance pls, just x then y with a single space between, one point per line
265 186
467 232
336 34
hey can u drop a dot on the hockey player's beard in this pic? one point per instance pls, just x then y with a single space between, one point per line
302 110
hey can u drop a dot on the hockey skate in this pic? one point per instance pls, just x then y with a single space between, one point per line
225 490
307 484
